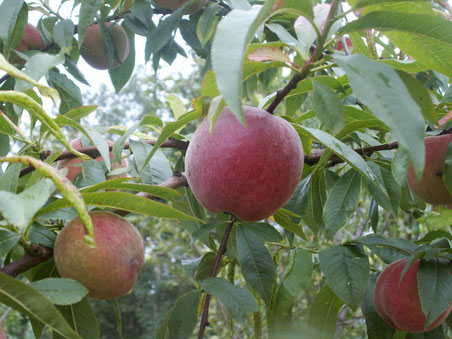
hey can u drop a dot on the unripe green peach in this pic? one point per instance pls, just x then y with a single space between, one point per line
398 303
430 188
175 4
250 171
93 48
74 165
110 269
30 40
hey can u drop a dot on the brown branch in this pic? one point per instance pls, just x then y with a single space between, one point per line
334 159
221 251
36 255
93 152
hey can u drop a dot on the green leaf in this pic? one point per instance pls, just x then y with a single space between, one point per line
264 231
88 11
298 273
123 201
157 169
168 130
71 96
346 270
207 24
425 37
81 318
377 328
61 291
286 37
420 95
33 198
63 33
215 108
9 11
25 299
328 107
342 202
160 36
9 179
284 219
323 314
400 165
34 108
436 333
313 214
379 87
447 172
233 35
409 66
363 3
297 277
11 208
68 190
183 318
304 6
19 210
434 281
237 300
8 240
256 263
388 193
14 16
42 235
14 72
93 135
388 249
158 191
120 75
205 266
341 149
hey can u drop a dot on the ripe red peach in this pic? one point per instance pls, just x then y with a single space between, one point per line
93 48
30 40
399 305
340 47
250 171
110 269
430 188
74 165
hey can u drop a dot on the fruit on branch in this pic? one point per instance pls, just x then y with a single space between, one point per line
175 4
340 46
93 48
430 188
30 40
2 334
74 165
399 304
250 171
110 269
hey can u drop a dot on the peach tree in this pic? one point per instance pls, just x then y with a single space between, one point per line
316 155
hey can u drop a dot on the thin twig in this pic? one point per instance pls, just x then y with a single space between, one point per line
281 94
93 152
221 251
